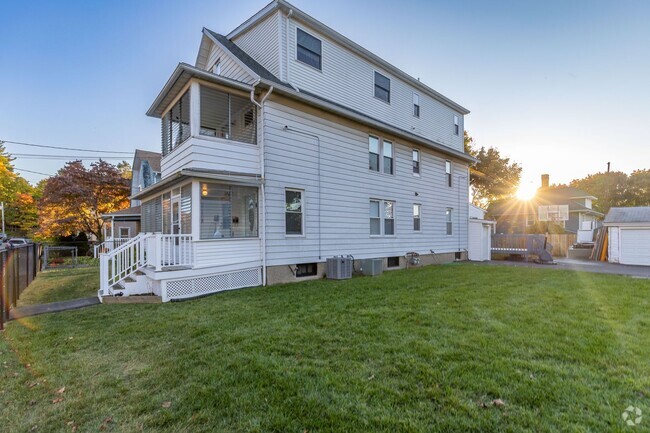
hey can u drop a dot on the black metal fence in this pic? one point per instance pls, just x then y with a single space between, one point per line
19 268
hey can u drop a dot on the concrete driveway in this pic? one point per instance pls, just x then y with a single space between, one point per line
583 266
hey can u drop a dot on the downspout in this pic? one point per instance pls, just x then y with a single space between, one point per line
260 105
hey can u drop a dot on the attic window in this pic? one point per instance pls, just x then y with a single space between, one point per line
309 49
216 69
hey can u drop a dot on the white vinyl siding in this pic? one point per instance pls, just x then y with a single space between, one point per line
228 66
346 186
349 80
262 43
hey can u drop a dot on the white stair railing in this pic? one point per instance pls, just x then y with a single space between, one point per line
122 262
109 245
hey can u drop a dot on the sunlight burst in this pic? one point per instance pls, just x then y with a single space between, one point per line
526 191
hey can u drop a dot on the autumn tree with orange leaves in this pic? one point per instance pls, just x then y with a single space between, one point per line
75 198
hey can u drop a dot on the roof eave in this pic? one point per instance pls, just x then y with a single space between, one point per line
319 103
156 109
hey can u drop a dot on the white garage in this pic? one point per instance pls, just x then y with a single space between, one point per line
628 230
480 235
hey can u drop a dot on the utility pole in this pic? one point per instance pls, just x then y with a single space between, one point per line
608 167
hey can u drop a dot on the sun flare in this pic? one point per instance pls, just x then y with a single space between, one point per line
526 191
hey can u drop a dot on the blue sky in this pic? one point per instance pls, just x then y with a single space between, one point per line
559 86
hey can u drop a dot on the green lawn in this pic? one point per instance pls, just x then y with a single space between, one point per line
61 285
418 350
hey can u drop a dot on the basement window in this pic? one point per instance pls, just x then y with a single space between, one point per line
392 262
306 270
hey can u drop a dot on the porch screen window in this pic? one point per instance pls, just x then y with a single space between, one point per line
152 215
382 87
227 116
309 49
186 209
228 211
293 214
176 124
166 213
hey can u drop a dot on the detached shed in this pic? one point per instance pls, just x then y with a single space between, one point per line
480 235
628 230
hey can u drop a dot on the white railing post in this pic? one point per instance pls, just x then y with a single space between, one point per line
161 253
103 274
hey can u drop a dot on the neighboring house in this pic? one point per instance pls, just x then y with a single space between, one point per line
522 216
628 230
285 144
480 235
146 171
124 224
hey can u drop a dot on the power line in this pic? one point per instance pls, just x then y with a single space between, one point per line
62 157
30 171
63 148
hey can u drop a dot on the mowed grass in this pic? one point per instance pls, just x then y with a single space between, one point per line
61 285
425 350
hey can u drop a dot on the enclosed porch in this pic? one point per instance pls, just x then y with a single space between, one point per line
198 233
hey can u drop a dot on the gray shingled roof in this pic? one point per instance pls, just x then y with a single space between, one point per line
246 59
628 215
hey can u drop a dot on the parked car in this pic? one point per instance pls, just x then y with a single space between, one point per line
17 242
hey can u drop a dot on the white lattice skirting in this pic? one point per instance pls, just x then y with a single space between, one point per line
193 287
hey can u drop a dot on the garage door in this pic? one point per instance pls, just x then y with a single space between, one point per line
635 246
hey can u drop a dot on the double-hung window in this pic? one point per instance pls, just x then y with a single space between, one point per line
382 217
382 87
456 125
388 157
309 49
416 161
417 213
380 155
293 214
416 105
448 172
449 221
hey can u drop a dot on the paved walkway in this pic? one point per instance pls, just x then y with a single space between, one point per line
583 266
54 307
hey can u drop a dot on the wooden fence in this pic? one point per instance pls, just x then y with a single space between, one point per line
18 269
560 242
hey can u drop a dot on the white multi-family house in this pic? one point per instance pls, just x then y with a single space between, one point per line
287 143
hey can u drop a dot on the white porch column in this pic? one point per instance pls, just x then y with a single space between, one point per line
196 210
195 109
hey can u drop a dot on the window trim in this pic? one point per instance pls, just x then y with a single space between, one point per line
414 160
128 232
320 69
456 125
302 212
449 221
419 217
416 105
382 219
374 87
381 156
449 173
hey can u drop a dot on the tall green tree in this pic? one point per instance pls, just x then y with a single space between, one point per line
494 177
76 197
610 188
639 188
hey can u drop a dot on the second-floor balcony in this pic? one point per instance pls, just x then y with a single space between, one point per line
210 128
